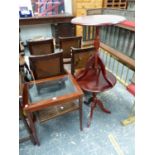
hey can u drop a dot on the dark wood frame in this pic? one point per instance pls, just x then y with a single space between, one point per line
46 19
76 51
31 108
63 39
47 56
39 42
70 39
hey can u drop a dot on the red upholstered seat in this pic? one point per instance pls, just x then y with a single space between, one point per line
131 88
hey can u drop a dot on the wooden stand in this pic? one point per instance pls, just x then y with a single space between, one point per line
103 80
94 78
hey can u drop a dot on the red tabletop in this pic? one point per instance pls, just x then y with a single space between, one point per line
98 20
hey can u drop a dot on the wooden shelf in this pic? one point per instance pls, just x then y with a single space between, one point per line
54 111
65 18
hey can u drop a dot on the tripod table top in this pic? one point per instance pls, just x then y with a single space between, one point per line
98 20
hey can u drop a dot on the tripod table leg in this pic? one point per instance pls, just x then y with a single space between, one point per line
100 104
93 105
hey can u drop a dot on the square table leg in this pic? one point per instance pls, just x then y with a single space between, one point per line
80 112
32 126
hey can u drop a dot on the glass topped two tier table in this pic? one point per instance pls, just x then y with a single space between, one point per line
50 98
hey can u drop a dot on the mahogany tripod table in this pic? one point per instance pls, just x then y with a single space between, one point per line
95 78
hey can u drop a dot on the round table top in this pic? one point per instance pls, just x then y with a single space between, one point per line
98 20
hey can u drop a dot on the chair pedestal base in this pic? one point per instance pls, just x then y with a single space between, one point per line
95 102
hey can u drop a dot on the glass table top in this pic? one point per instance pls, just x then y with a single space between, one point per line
50 89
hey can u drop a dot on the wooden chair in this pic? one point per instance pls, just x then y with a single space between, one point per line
79 60
90 79
80 57
66 43
40 47
44 66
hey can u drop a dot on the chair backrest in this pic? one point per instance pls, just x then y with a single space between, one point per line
80 57
48 65
40 47
67 42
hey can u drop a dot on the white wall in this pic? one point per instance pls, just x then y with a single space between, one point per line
31 31
26 3
68 6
